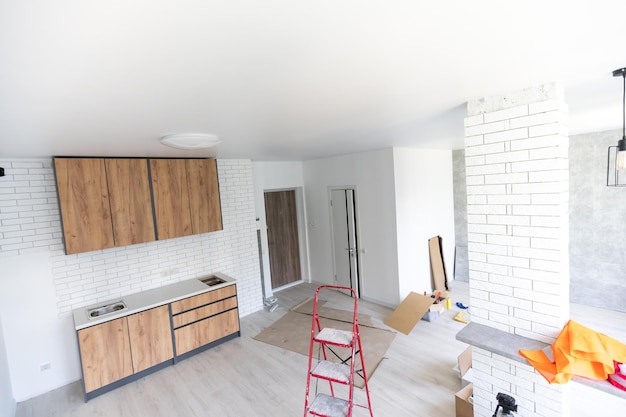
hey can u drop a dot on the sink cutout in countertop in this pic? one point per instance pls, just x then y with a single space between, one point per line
212 280
93 313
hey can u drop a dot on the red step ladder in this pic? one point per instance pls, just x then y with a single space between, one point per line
341 370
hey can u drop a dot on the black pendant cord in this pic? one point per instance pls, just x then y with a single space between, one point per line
624 108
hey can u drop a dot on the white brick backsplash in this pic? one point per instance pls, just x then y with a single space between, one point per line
488 267
509 113
561 152
506 135
510 241
487 248
532 253
486 128
493 148
497 158
487 229
509 220
538 119
475 180
521 177
508 199
91 277
537 142
469 161
475 140
485 169
547 105
546 265
474 120
556 128
486 189
486 209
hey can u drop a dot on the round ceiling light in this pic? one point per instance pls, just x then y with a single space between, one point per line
190 141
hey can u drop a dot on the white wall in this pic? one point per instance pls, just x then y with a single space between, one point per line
39 285
424 208
273 176
372 175
7 402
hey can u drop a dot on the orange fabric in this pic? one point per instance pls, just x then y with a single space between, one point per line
578 351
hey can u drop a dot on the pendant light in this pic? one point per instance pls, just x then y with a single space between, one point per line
616 159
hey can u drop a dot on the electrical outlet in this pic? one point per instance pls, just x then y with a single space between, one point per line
45 366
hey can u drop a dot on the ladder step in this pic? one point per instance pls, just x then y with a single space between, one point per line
332 371
327 406
335 337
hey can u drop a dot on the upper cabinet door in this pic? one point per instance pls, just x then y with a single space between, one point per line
84 202
131 204
171 198
204 196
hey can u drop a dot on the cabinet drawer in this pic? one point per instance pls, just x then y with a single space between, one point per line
203 299
206 331
204 312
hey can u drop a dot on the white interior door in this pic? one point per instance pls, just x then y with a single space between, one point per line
345 250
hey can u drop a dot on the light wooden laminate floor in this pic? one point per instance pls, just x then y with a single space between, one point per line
244 377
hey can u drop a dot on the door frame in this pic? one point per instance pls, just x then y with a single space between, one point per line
302 241
357 225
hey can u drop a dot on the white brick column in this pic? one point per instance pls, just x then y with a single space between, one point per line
516 150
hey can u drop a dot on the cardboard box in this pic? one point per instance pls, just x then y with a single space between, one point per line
430 316
464 404
465 367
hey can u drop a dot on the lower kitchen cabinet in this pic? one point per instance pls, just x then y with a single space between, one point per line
123 347
105 353
150 338
122 350
205 318
203 332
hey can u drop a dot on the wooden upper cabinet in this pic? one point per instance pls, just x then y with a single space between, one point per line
204 196
186 196
171 198
84 202
130 201
107 202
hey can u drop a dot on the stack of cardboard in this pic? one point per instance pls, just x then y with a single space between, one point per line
463 398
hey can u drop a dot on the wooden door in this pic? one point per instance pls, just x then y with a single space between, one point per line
204 197
171 198
105 353
150 338
282 237
84 202
131 204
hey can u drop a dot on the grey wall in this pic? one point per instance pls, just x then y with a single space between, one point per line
461 266
597 245
597 225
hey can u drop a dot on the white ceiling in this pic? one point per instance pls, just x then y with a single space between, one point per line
290 79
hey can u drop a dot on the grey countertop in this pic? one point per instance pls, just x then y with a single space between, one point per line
145 300
508 345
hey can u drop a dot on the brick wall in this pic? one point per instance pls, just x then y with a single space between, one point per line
30 222
517 178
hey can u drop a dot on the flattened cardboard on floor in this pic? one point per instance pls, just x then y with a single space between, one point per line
437 267
409 312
